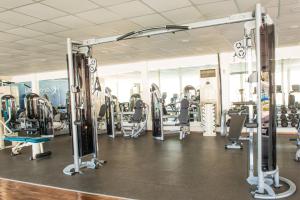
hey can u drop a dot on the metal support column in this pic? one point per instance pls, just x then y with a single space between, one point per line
73 105
258 24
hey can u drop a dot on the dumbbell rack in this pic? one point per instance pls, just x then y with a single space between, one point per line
208 119
287 117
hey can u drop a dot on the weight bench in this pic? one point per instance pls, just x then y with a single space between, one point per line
36 143
236 126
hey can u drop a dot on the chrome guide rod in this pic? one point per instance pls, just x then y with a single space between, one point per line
72 105
258 24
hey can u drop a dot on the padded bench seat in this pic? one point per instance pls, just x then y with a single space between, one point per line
35 142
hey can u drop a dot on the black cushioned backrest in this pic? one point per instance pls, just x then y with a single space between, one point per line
183 116
138 111
236 126
102 110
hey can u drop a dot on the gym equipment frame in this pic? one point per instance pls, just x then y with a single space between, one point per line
266 178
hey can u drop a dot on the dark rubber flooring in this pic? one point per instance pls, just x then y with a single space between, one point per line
196 168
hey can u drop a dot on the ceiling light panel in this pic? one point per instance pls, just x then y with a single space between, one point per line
71 6
40 11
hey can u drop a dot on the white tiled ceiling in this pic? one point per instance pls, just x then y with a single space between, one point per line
99 16
18 19
24 32
46 27
71 6
40 11
131 9
191 14
150 20
8 4
71 21
160 5
5 26
33 32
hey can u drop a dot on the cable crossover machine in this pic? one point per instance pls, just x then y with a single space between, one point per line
82 68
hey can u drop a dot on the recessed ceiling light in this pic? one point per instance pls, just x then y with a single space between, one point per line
294 26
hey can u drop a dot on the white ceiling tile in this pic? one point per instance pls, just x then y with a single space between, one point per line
54 46
71 6
218 9
51 38
150 20
31 42
13 3
8 37
205 1
17 18
40 11
24 32
71 22
109 2
131 9
46 27
77 34
163 5
122 26
183 15
99 16
4 26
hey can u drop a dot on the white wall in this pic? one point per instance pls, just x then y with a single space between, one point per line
152 65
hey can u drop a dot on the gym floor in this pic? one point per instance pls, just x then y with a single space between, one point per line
196 168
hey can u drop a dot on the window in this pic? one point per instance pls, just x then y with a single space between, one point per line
56 90
24 88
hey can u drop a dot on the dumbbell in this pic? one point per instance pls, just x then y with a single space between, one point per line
291 116
283 116
293 110
283 110
284 123
228 122
294 122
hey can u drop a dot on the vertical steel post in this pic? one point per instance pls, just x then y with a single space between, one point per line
282 82
73 104
258 24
